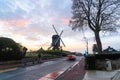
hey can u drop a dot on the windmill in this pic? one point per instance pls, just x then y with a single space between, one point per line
56 39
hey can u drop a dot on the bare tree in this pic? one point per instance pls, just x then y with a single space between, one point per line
98 15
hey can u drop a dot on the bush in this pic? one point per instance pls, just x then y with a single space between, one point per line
90 59
9 50
108 56
90 62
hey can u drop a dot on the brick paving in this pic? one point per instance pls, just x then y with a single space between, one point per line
51 76
75 73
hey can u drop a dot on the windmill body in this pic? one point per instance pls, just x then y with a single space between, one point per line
55 42
56 39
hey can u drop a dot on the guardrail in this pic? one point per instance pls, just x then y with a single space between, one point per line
26 61
116 76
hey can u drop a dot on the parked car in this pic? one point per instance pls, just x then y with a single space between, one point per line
71 57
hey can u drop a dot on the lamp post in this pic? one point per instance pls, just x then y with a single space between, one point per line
86 41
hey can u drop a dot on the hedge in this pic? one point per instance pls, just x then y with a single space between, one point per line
91 59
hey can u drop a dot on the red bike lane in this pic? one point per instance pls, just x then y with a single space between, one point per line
75 72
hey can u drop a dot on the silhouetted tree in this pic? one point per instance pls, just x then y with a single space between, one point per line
9 49
98 15
24 51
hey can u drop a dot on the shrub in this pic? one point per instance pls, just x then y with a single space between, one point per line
108 56
9 50
90 62
90 59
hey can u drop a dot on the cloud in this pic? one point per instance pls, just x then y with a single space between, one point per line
29 22
34 19
15 23
65 20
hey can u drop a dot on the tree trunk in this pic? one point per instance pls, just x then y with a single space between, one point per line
98 41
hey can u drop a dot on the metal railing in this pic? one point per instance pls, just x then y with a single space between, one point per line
116 76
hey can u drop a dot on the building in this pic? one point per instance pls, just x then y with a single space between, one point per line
109 50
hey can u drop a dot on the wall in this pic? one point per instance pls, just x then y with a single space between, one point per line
101 64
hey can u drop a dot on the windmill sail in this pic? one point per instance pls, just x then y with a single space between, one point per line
56 40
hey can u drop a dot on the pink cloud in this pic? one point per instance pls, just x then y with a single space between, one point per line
15 23
62 20
65 20
20 23
18 32
33 38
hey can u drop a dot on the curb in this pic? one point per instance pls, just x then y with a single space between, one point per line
9 67
74 72
66 71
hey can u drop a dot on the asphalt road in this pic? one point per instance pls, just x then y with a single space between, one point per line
37 71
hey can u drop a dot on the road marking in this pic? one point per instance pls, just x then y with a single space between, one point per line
51 76
11 69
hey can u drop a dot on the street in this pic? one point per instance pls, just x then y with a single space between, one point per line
37 71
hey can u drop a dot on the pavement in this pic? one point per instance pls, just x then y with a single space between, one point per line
77 72
74 72
102 75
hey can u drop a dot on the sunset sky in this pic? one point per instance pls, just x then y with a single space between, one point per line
29 22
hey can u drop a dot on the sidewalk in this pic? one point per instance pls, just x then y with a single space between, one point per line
75 72
102 75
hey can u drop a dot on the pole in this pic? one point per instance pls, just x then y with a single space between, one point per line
87 46
86 40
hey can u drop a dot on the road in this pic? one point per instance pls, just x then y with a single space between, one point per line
37 71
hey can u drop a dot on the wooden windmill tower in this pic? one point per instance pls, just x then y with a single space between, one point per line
56 39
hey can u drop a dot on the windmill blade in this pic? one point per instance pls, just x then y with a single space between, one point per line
61 33
59 37
62 42
50 47
55 29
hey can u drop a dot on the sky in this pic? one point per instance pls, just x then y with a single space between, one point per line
29 22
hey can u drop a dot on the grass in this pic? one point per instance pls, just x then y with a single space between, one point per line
29 54
45 55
